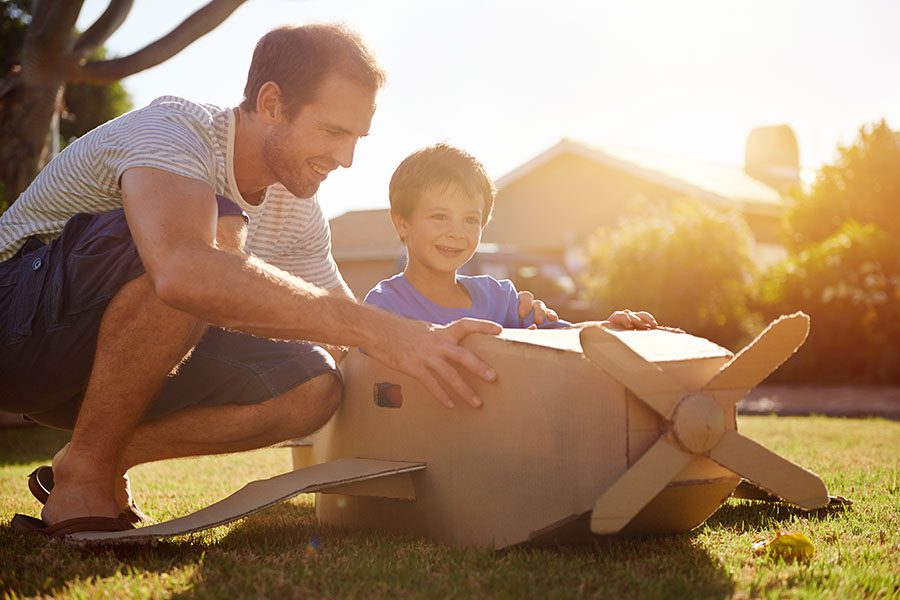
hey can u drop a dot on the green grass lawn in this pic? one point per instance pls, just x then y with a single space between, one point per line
283 553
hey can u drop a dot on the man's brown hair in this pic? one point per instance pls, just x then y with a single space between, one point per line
299 57
436 166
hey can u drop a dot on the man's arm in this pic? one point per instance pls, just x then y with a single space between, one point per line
341 291
173 222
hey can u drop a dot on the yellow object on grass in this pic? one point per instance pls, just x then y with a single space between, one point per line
789 546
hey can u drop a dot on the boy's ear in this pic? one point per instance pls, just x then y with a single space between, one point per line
400 224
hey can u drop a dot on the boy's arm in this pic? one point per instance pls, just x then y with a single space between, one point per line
173 222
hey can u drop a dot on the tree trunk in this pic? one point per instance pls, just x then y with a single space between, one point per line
51 58
24 115
29 97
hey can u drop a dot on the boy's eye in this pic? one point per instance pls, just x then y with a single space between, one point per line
439 216
473 221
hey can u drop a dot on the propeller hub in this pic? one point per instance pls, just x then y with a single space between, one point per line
698 423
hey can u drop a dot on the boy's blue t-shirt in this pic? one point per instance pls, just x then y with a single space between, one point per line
492 300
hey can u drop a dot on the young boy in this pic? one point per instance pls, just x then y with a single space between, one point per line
441 199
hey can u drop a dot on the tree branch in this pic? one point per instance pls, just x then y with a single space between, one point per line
48 40
97 34
195 26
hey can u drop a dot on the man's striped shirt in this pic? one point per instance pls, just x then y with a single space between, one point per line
183 137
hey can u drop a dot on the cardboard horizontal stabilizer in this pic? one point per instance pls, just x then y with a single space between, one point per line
259 495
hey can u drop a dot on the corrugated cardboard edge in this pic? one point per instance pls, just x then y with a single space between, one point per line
259 495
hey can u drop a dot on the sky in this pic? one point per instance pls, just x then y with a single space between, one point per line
508 79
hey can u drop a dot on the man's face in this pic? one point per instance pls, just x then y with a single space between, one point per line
321 137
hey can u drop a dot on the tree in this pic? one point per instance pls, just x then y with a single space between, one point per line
844 266
85 105
862 185
53 56
690 266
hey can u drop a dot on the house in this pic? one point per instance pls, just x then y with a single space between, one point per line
552 204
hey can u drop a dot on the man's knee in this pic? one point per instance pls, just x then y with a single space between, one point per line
308 407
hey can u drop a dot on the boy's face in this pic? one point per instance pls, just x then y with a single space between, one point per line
444 229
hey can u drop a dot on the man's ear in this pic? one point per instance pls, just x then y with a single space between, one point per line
268 102
401 225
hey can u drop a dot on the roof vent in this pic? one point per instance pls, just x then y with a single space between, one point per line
772 156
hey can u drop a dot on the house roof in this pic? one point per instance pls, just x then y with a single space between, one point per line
724 185
364 234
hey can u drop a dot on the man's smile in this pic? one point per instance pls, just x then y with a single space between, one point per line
322 172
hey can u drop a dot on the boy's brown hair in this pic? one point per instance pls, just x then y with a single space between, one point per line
436 166
299 57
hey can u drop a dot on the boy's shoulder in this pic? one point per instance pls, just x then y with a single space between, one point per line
385 289
487 283
389 283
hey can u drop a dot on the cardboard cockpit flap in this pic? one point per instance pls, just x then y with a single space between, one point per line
259 495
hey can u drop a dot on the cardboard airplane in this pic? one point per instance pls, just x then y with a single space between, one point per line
587 431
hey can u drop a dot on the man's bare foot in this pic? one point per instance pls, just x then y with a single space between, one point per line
123 496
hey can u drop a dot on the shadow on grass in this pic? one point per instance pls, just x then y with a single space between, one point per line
284 552
753 515
33 565
293 555
32 444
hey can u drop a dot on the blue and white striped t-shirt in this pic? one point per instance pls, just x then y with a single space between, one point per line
183 137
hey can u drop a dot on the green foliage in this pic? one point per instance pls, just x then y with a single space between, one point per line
862 185
849 284
690 266
89 106
14 20
3 202
844 270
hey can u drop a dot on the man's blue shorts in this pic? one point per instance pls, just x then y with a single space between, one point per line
52 298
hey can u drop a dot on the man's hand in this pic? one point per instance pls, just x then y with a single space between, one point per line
432 354
626 319
527 304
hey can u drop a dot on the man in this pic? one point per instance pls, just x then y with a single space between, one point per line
182 215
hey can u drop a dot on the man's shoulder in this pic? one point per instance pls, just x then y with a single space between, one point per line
175 104
174 113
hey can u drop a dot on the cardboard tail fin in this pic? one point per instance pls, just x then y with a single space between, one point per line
346 476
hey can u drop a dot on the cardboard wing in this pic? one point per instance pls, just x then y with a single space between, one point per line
348 475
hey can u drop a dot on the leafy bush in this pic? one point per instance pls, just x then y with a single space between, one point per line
844 267
690 266
849 284
862 185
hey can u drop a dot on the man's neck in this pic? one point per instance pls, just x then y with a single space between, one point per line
250 171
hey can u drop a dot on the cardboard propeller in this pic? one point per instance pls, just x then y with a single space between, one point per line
695 423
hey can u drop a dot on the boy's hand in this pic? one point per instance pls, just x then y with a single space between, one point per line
527 304
432 354
626 319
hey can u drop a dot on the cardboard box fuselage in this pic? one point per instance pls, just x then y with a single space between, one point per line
555 431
